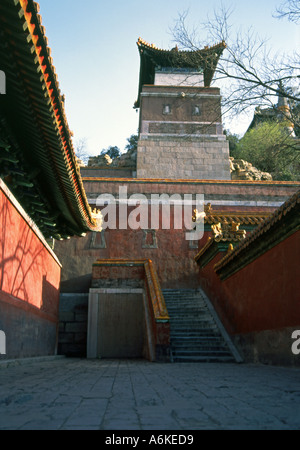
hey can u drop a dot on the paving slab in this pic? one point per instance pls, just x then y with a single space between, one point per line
80 394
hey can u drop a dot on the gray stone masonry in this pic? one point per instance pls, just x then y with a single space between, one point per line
73 313
180 158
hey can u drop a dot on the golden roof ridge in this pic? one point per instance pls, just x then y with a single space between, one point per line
140 42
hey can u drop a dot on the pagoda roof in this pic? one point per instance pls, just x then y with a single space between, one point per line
37 159
151 57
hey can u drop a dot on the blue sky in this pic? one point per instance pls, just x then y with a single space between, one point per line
96 57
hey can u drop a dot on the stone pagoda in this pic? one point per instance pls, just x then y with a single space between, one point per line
180 127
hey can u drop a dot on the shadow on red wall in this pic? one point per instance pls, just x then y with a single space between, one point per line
29 271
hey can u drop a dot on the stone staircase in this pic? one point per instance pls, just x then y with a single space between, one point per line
197 335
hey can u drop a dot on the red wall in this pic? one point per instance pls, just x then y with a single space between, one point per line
264 295
29 275
27 269
173 257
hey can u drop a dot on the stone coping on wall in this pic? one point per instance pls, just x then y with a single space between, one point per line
191 181
119 290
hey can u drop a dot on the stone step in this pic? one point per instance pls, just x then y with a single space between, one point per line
203 317
188 313
213 337
191 313
196 338
193 318
197 330
202 322
190 304
194 334
204 359
185 330
199 352
191 300
199 343
181 298
191 328
184 299
180 292
178 297
190 352
180 310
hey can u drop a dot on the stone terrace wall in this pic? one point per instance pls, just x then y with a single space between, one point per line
183 158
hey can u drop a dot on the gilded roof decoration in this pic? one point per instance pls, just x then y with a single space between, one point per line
224 236
213 217
228 232
144 44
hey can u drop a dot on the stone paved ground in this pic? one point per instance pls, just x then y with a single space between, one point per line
74 394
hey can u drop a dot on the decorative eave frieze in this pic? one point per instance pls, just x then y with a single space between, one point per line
231 218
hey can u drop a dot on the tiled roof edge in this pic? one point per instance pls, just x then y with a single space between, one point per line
256 239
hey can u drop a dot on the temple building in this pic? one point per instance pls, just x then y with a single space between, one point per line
181 152
180 130
96 262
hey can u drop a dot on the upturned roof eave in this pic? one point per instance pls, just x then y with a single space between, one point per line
25 38
205 59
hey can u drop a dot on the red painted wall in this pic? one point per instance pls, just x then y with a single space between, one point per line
29 281
173 257
264 295
27 270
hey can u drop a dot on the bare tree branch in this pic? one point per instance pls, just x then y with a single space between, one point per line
250 75
289 9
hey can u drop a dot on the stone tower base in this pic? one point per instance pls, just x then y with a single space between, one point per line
184 158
